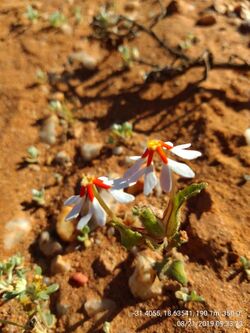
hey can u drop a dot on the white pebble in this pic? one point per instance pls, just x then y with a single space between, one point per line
247 135
89 151
144 283
87 60
118 150
16 232
94 306
48 246
62 158
59 265
48 131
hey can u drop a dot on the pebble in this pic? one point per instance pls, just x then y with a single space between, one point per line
220 6
118 150
57 96
244 28
105 264
48 130
34 167
79 279
59 265
144 283
61 309
242 11
131 5
67 29
206 20
247 136
136 189
77 130
87 60
65 229
173 7
62 158
62 86
48 246
89 151
16 232
94 306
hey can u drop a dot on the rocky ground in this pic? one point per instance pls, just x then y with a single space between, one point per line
42 63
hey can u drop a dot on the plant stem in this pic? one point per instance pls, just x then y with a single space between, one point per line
169 208
103 204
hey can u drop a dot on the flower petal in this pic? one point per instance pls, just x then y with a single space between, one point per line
135 177
134 168
150 180
181 169
106 180
75 210
85 219
99 213
166 178
121 183
125 182
183 146
169 143
134 158
71 200
121 196
186 154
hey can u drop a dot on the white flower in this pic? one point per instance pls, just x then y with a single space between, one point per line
144 166
87 205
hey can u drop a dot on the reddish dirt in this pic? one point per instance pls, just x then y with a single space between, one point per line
213 115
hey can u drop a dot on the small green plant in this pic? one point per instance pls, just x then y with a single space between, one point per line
245 266
32 155
161 234
28 287
172 268
32 14
188 42
38 196
58 178
184 295
120 133
57 19
105 24
84 236
78 15
41 76
129 55
61 110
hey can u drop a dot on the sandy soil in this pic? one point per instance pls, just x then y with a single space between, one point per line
213 115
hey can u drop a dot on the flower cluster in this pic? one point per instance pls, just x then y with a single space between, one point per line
144 165
89 203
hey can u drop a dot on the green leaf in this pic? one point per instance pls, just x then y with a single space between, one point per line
184 295
195 297
173 222
129 238
84 237
42 295
48 319
150 222
38 270
52 288
176 271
